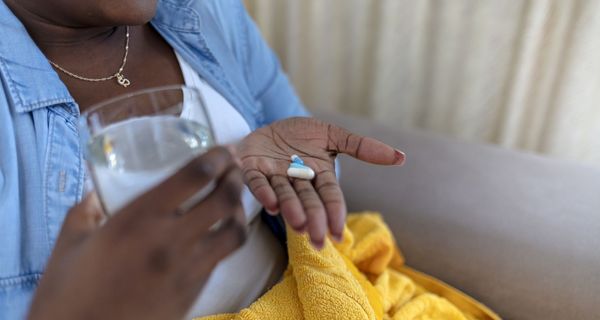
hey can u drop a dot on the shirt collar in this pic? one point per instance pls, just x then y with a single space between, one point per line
177 15
29 78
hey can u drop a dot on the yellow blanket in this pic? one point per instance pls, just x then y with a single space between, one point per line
364 277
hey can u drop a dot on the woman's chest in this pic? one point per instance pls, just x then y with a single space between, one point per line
149 62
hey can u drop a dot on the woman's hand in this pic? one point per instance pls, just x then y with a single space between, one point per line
312 206
149 261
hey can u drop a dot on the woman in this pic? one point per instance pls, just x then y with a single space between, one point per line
59 57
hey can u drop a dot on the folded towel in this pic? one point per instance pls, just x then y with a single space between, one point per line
363 277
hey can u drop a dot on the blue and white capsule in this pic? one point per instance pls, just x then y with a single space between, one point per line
299 170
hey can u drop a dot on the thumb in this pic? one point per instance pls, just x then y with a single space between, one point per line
364 148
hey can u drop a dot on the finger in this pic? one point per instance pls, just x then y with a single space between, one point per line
289 204
81 221
315 212
198 173
261 189
218 244
207 252
329 190
363 148
223 203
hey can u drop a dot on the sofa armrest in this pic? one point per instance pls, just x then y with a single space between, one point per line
519 232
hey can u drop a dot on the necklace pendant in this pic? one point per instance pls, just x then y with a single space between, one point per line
123 81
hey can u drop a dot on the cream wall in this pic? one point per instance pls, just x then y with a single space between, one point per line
522 74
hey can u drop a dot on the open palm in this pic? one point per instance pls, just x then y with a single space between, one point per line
315 206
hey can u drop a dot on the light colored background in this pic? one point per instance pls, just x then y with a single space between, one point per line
521 74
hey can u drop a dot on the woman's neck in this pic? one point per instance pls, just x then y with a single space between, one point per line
68 44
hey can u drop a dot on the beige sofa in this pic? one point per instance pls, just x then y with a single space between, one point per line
519 232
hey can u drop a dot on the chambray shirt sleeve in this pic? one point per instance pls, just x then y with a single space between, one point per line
16 288
268 82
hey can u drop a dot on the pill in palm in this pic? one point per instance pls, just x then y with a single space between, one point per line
299 170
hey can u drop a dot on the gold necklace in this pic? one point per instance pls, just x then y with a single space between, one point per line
119 74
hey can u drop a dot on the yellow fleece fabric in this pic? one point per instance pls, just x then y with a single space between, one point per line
363 277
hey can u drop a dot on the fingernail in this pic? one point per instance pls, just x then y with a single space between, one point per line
318 245
337 238
271 212
301 229
400 157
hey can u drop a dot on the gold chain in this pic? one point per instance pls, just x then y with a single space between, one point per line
119 74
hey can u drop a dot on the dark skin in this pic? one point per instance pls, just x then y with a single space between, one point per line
87 37
151 63
93 47
81 36
149 261
315 207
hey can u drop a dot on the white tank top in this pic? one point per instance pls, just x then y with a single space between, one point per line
245 275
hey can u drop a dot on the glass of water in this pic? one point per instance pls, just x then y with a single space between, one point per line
136 141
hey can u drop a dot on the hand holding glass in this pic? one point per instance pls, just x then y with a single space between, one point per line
136 141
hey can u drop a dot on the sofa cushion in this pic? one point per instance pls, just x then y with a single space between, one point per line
519 232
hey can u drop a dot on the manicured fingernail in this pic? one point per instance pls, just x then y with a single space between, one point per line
272 212
318 244
301 229
337 238
400 157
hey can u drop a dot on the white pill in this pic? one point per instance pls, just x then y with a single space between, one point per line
301 173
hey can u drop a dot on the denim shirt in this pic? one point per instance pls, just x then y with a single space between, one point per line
42 170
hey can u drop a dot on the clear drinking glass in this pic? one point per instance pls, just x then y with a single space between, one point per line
136 141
